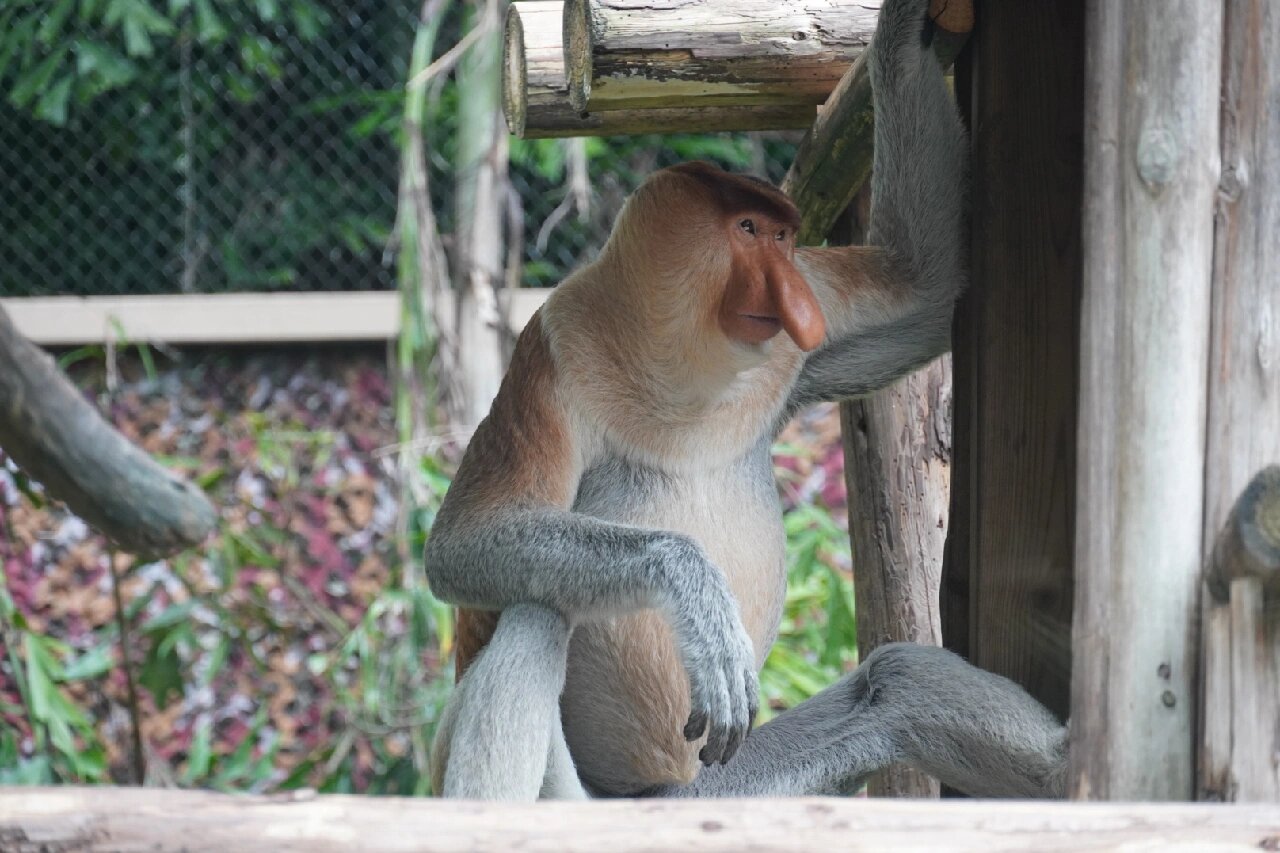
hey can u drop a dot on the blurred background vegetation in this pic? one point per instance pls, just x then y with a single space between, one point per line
192 146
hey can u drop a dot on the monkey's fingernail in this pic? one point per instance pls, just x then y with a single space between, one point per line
694 728
704 755
731 747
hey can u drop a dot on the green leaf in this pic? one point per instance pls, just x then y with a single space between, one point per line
91 664
39 678
161 673
54 20
200 756
170 616
209 27
36 80
52 106
109 68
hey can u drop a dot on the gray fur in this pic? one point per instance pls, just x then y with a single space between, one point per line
551 570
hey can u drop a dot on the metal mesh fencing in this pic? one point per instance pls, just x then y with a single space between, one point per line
253 145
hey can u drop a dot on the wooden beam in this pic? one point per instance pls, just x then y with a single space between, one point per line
113 819
1006 598
225 318
625 55
536 97
1151 177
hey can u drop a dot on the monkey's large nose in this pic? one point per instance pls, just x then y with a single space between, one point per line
797 307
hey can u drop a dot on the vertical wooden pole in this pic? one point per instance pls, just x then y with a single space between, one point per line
1007 575
897 468
1151 173
1244 399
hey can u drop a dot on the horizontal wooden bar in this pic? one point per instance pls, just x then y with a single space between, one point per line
102 819
224 318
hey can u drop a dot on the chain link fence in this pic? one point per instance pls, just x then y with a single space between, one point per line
196 146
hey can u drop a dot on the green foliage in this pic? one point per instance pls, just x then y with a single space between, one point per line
195 144
66 745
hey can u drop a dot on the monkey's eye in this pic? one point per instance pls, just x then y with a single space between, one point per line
781 235
748 226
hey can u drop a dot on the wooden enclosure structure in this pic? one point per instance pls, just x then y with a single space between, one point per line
1117 383
1113 538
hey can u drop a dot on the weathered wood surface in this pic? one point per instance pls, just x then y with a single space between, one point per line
1239 752
1006 588
89 820
623 54
536 100
60 440
1151 177
897 450
834 158
1240 747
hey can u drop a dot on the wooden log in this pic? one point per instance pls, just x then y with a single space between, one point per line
58 438
897 451
97 820
1248 546
834 158
536 102
1151 177
629 54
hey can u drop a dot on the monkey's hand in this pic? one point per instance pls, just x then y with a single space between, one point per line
716 652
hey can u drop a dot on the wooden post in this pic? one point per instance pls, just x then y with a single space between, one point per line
1006 597
1239 755
535 96
625 55
1151 175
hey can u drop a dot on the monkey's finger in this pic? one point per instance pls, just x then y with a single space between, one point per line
696 726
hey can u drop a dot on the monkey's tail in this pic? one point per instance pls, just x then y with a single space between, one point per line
499 728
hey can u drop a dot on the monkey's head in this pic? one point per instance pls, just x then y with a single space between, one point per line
728 244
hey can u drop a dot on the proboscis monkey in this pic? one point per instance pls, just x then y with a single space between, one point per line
614 535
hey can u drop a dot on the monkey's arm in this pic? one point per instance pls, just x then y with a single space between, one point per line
888 305
506 536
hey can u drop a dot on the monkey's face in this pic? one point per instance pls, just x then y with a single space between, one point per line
765 293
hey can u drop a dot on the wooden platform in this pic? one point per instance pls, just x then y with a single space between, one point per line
124 819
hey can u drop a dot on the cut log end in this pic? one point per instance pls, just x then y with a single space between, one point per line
514 80
954 16
1249 544
578 45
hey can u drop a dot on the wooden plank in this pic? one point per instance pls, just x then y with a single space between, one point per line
224 318
1007 576
1151 174
116 819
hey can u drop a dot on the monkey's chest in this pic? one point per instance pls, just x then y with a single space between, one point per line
733 513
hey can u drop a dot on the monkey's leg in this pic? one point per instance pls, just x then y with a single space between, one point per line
498 737
917 705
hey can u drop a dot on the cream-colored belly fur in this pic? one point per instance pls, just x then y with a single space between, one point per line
626 695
